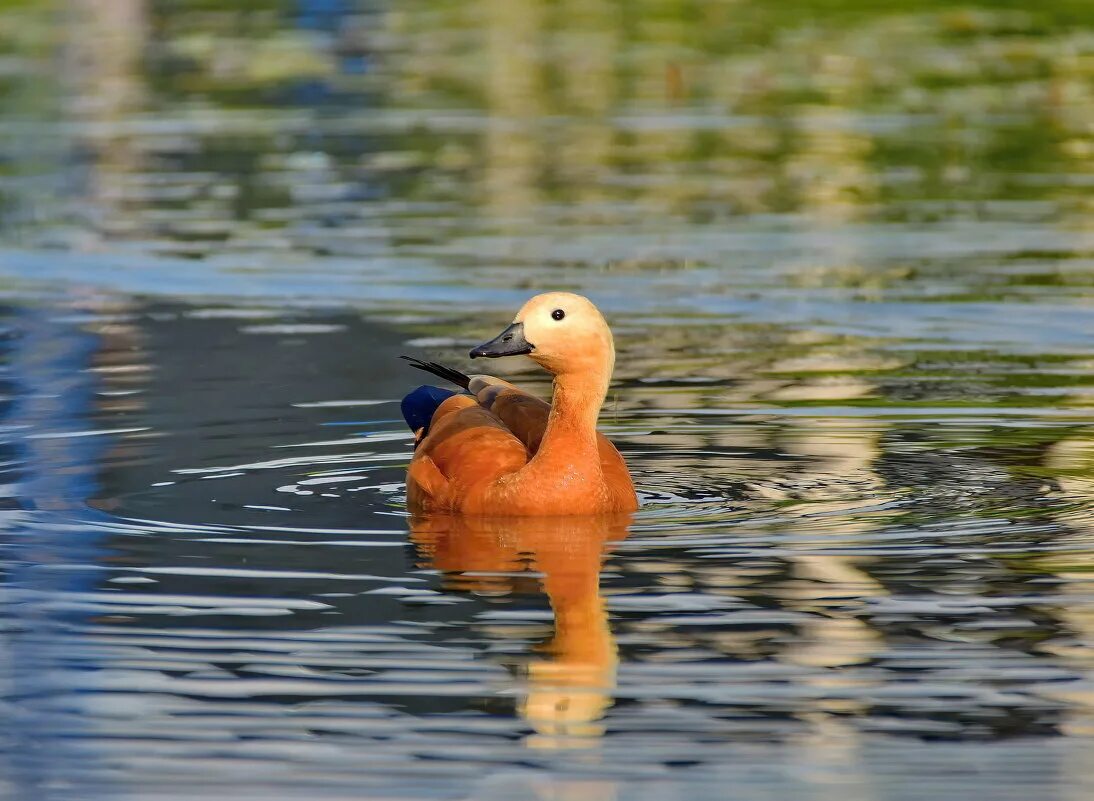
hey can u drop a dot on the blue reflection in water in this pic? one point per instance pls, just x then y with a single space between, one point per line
49 365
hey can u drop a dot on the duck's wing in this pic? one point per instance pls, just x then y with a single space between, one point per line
466 446
522 413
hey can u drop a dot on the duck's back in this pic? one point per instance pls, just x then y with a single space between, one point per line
464 449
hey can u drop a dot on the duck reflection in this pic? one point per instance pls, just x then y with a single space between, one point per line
570 685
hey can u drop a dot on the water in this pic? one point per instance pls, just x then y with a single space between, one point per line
847 255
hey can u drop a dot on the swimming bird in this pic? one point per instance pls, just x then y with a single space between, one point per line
498 450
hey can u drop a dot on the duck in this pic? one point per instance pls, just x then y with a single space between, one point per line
493 449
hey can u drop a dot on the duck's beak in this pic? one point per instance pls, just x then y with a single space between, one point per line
510 342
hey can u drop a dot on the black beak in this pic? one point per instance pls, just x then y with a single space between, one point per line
510 342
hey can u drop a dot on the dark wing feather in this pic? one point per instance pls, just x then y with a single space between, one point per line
439 370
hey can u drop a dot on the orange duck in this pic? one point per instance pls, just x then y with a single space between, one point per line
497 450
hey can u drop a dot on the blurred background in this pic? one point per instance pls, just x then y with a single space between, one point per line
847 250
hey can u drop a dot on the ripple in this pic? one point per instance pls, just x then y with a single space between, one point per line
853 383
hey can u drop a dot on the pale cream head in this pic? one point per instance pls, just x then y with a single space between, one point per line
568 334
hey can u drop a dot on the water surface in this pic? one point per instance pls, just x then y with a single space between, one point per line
847 256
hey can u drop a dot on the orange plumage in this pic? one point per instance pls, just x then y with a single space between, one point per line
502 451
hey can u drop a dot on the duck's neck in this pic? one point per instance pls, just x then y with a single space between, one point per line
571 426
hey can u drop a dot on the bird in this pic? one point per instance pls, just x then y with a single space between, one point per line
495 449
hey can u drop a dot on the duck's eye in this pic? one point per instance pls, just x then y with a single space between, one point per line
558 314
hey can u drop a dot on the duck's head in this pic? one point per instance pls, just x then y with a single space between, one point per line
563 332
